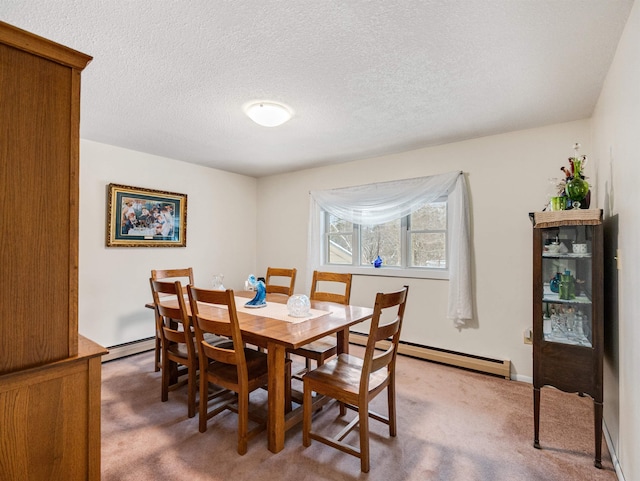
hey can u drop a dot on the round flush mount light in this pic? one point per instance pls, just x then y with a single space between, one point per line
268 114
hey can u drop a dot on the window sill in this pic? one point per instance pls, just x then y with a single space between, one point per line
440 274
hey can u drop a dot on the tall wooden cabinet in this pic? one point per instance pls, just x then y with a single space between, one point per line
49 376
568 309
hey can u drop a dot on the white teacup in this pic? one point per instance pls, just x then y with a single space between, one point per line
579 248
553 248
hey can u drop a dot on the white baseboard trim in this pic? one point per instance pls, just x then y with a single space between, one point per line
129 349
612 452
521 378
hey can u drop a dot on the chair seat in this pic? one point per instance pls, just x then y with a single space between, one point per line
344 373
219 341
180 350
256 366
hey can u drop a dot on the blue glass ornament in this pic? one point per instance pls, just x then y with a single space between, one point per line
554 284
260 299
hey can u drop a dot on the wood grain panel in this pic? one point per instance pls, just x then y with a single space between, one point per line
50 421
35 256
39 128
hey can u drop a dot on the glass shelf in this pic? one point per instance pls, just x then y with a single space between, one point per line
567 255
564 338
554 297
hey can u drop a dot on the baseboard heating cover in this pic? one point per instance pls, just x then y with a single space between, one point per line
129 349
466 361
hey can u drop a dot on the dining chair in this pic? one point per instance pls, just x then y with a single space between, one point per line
236 368
274 286
355 381
184 275
323 288
177 345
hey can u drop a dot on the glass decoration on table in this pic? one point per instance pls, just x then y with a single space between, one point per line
217 282
260 299
298 305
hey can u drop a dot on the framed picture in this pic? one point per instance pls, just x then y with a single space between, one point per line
139 217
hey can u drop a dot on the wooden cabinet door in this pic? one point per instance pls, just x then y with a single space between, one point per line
39 143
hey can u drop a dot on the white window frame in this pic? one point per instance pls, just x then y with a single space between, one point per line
403 270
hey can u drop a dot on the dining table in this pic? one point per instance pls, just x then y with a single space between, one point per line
273 329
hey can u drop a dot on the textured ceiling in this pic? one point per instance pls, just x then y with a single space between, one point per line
365 78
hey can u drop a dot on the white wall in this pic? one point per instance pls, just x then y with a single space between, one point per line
507 177
238 225
114 281
616 125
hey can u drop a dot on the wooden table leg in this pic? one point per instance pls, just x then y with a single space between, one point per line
343 341
276 426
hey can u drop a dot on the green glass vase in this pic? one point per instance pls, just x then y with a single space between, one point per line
576 188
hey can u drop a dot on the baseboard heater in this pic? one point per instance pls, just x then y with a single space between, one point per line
129 349
466 361
457 359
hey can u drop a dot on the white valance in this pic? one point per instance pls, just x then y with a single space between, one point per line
386 201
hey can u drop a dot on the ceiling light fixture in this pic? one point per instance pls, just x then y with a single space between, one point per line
268 114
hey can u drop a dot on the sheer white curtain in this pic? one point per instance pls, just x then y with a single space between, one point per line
385 201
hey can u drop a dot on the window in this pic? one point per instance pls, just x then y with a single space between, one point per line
434 244
416 241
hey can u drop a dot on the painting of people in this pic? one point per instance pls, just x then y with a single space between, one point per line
139 217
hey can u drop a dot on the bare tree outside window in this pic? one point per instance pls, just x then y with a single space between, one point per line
428 236
340 241
418 240
382 240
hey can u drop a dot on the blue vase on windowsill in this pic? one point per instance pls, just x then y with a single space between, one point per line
377 262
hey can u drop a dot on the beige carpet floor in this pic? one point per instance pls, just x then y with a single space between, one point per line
452 425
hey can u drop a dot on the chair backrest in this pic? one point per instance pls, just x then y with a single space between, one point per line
201 301
183 275
278 288
167 317
375 360
331 278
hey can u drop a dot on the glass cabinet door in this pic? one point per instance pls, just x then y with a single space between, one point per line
567 284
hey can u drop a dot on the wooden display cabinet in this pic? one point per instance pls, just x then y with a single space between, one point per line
568 309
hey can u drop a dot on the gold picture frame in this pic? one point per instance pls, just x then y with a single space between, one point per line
141 217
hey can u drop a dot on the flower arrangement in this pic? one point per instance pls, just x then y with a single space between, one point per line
572 191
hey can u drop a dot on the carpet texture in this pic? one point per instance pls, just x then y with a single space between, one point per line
452 425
